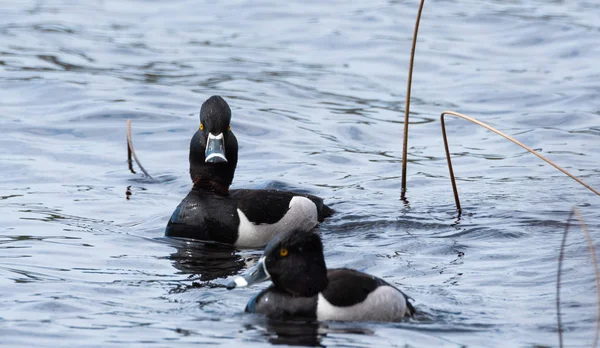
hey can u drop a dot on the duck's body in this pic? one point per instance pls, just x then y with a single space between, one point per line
244 218
349 296
304 288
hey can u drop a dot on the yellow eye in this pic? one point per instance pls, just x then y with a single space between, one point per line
283 252
229 128
201 126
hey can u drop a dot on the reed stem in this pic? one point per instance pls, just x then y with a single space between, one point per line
407 107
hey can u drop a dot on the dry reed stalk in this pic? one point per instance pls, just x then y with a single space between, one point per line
452 113
407 107
561 256
131 151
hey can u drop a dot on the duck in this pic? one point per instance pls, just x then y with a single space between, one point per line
245 218
303 288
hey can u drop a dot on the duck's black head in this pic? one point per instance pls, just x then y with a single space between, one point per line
214 148
295 263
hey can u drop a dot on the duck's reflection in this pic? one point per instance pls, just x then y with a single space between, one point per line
288 332
301 332
208 261
294 333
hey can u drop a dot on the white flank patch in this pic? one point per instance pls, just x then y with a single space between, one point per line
384 304
302 215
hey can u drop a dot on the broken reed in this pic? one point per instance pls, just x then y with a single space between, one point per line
479 123
131 151
561 257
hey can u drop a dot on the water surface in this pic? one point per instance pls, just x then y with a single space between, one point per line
317 94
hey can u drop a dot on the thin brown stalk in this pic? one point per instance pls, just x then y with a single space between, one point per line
129 160
452 113
407 107
561 256
131 151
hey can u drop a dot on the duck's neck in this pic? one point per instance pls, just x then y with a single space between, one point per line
315 285
210 177
209 185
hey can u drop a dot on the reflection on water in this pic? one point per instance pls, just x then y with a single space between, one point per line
303 332
206 260
294 333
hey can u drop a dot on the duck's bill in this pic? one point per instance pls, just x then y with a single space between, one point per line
256 274
215 149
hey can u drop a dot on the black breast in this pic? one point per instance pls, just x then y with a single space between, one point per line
205 216
275 303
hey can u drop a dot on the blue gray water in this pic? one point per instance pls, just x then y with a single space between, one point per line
317 92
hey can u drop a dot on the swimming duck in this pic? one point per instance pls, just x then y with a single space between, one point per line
244 218
303 286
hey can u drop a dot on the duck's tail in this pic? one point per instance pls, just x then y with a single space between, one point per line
323 211
410 309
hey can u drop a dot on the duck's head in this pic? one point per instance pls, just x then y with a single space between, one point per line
295 263
214 148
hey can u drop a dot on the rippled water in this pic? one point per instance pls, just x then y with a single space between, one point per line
317 92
